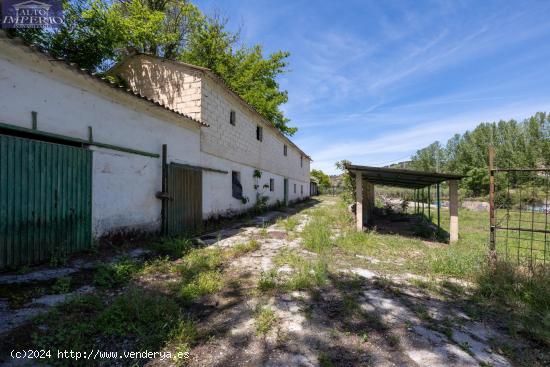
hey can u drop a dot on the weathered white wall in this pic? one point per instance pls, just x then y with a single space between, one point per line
224 146
195 93
124 185
217 187
238 143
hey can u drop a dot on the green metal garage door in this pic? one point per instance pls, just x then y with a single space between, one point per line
45 200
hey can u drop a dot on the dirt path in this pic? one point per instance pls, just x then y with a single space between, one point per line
360 317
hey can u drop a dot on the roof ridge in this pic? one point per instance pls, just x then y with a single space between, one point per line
214 75
86 72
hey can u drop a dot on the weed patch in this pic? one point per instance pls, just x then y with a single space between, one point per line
520 294
115 275
138 319
244 248
265 318
204 283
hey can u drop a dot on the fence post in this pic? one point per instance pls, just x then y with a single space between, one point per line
492 220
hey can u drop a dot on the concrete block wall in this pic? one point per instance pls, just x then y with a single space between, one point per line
238 142
164 81
223 146
196 94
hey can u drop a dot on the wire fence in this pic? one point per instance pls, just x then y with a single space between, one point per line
520 207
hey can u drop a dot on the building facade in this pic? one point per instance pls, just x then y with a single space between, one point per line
81 158
238 139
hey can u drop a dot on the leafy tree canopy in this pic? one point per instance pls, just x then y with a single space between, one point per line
322 178
523 144
98 33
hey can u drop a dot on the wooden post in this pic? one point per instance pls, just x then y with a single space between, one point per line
492 220
453 210
359 201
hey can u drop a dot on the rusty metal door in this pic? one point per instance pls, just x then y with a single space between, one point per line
183 205
45 200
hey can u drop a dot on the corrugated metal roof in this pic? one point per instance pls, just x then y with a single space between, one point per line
400 177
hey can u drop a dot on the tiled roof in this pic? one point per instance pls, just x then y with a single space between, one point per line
87 73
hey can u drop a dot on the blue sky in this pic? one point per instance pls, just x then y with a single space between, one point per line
373 81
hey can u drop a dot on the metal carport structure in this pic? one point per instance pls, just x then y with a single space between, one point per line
366 177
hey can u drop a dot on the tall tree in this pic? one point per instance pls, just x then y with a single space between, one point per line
322 178
97 33
246 70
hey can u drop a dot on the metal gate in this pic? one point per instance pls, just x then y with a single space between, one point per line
45 200
519 200
183 205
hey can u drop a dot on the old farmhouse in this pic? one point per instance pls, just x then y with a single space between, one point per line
81 157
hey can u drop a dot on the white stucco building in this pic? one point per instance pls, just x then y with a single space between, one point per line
81 157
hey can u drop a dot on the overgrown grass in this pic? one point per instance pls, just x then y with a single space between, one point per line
204 283
175 247
289 223
113 275
244 248
268 281
138 319
306 274
523 296
317 232
200 273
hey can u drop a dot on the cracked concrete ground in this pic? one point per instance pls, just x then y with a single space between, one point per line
360 317
307 330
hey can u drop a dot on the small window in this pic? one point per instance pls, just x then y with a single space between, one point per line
259 133
237 188
294 188
271 184
301 189
285 151
301 161
232 117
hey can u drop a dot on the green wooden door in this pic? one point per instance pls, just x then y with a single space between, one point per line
45 200
183 207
